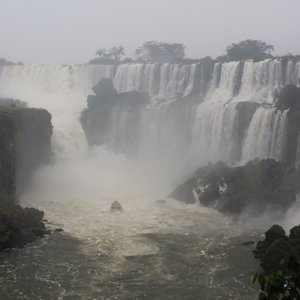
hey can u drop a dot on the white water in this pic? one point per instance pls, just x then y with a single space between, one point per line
259 143
190 134
62 90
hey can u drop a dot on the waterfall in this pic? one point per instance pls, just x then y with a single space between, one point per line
265 135
198 112
290 75
164 81
61 89
297 73
260 80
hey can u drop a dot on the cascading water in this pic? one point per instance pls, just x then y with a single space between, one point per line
58 89
160 250
259 143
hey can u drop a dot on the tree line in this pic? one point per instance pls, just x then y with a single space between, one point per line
5 62
161 52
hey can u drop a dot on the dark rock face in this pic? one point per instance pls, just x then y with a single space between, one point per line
33 143
108 111
245 112
8 134
25 144
259 185
185 192
289 98
19 226
276 246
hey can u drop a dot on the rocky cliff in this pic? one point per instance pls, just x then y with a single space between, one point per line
101 120
25 144
289 99
257 186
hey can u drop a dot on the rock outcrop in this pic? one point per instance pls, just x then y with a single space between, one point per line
25 144
109 111
276 246
259 185
289 98
19 226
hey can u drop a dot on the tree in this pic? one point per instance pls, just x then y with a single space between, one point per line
249 49
154 51
117 53
5 62
108 56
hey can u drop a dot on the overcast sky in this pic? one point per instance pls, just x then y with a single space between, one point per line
70 31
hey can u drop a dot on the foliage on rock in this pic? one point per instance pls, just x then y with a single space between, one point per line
280 285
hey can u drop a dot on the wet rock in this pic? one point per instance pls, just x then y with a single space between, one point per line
185 192
105 89
58 230
19 226
258 186
21 130
109 110
289 98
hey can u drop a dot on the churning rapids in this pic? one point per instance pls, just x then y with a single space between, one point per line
153 249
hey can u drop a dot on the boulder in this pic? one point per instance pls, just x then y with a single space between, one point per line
259 185
111 113
19 226
105 89
276 246
25 144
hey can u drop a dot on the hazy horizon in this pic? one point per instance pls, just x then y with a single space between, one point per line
70 31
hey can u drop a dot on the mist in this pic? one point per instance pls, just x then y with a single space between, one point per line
71 31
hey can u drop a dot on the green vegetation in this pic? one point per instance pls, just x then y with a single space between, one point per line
248 49
162 52
149 52
276 246
154 51
108 56
279 256
280 285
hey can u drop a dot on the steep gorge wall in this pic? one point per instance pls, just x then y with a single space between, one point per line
25 137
